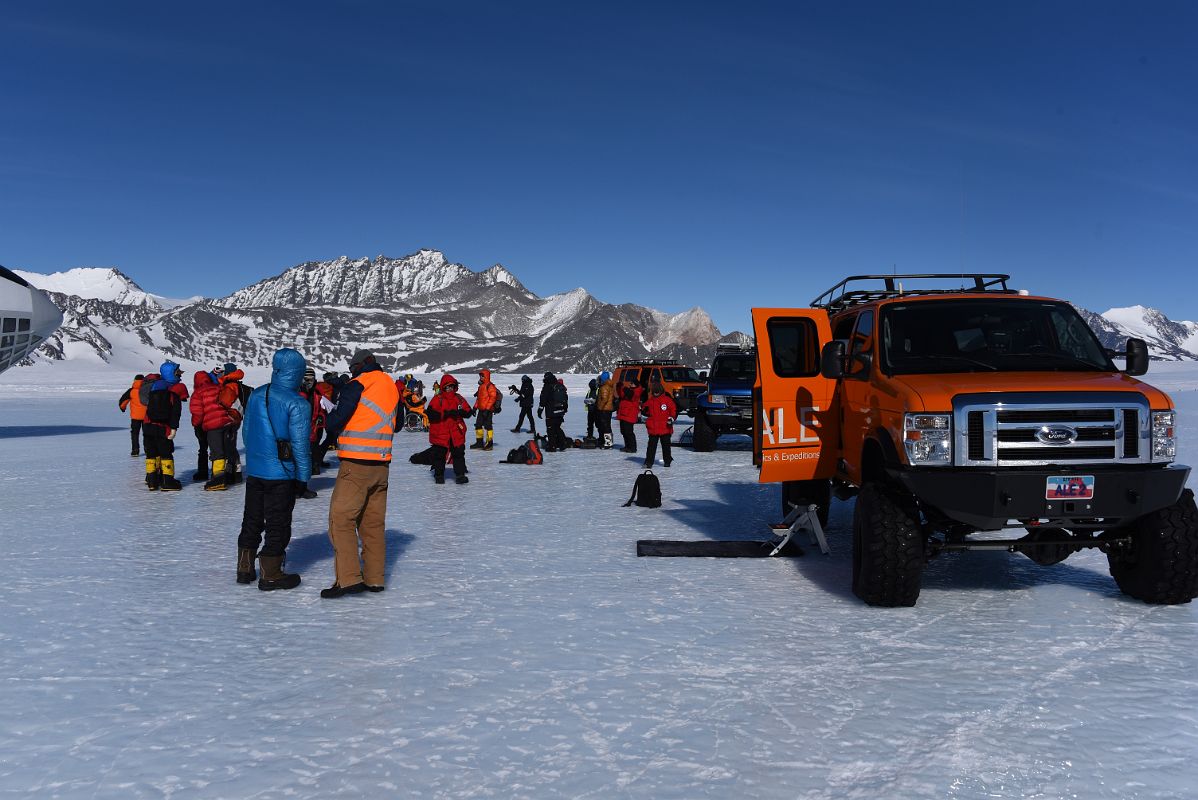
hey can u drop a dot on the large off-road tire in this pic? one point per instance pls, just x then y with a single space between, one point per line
888 548
703 434
804 493
1161 567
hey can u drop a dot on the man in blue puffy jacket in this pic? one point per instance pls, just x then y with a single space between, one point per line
278 464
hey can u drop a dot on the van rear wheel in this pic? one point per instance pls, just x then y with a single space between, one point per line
888 548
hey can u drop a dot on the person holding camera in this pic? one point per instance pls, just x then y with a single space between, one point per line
278 464
526 394
363 425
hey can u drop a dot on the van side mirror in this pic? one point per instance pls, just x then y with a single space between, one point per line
831 360
1137 357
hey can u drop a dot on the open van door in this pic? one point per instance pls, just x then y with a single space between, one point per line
795 422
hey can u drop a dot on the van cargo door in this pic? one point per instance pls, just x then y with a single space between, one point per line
794 420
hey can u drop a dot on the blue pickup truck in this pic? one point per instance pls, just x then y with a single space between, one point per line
727 406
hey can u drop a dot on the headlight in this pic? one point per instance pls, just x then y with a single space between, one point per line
717 399
1164 438
928 438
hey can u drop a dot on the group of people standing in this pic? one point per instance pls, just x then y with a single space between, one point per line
287 436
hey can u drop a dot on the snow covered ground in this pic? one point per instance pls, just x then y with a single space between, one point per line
523 650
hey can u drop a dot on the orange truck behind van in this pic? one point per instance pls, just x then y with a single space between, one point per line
951 405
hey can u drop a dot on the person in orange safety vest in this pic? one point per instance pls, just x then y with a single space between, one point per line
363 425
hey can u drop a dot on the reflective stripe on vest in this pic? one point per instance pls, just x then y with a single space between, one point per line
371 424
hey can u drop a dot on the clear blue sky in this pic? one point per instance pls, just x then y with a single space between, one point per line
723 155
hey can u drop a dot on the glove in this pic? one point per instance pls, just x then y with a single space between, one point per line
302 491
170 433
670 421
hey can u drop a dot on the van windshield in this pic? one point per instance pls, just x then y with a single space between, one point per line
984 335
732 368
679 375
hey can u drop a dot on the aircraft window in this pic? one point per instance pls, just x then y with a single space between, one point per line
22 324
10 324
6 341
4 354
22 338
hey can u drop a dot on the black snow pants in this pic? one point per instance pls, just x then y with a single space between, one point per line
482 420
216 444
592 421
135 435
458 454
202 453
526 411
156 444
603 423
651 450
268 507
629 433
231 455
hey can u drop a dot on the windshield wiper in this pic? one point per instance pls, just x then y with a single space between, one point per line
1065 357
966 359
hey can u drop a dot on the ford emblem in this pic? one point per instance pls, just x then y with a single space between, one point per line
1057 434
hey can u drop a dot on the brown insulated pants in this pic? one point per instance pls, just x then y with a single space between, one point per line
358 512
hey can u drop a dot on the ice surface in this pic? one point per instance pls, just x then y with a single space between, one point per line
521 650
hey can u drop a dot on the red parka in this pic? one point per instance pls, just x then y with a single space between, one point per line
446 412
629 407
206 409
660 411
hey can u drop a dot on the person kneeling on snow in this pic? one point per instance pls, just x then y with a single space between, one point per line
447 429
278 464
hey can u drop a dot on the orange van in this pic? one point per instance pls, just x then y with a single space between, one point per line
950 405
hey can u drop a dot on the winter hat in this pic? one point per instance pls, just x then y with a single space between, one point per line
230 367
525 379
329 377
310 373
604 377
361 357
139 377
447 379
592 383
549 377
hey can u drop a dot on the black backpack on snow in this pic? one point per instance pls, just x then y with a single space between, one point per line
646 492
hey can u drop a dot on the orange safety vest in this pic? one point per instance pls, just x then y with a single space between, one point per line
367 435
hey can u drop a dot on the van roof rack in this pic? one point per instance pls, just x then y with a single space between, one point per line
840 296
734 347
647 362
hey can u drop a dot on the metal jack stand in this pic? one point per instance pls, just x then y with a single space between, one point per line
801 517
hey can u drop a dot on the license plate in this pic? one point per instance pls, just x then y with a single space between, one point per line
1070 487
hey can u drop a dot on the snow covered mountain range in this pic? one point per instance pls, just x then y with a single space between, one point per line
423 314
420 312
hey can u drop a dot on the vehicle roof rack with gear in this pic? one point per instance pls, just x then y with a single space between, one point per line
840 296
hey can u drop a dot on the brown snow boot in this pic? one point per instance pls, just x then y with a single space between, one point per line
245 565
273 576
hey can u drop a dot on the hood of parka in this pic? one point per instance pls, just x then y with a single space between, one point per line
287 369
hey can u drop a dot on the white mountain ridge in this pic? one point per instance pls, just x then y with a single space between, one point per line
421 311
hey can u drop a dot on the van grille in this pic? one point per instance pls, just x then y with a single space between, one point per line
1045 430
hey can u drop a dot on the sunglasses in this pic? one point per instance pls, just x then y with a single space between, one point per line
450 387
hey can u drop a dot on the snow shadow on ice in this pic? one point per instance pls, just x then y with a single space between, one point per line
24 431
307 551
